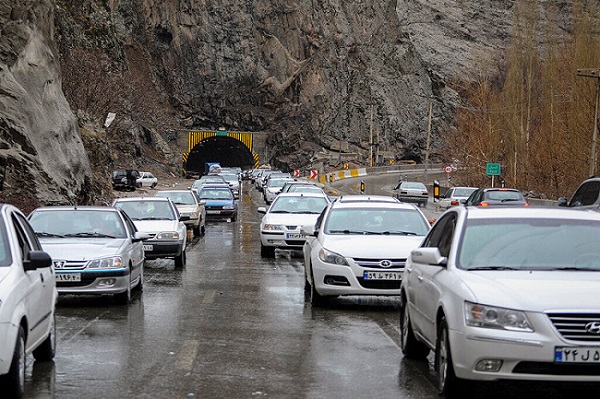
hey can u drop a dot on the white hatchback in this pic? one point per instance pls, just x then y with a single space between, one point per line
505 293
280 227
27 297
359 247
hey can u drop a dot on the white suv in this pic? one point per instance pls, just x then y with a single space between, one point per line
505 293
27 300
359 245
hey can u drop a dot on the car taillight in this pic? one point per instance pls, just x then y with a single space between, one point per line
453 203
484 204
526 204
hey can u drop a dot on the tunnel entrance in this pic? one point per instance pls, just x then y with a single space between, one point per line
229 152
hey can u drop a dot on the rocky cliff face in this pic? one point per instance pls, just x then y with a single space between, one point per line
316 75
42 158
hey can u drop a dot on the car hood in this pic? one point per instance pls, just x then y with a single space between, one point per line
372 246
290 219
82 248
186 208
536 291
156 226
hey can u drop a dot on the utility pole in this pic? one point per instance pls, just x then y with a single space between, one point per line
371 138
428 139
593 73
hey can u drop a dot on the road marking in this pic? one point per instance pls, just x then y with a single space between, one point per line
187 355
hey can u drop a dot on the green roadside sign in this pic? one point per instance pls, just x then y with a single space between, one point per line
492 169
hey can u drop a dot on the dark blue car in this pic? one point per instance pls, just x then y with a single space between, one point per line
220 202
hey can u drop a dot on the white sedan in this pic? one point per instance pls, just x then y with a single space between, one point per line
505 293
359 247
454 195
280 227
146 179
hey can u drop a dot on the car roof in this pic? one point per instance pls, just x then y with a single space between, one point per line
313 195
136 199
345 199
77 208
527 212
173 191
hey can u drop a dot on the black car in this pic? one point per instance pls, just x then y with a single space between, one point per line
125 180
495 197
587 195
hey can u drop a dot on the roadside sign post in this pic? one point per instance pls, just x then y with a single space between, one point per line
492 169
448 169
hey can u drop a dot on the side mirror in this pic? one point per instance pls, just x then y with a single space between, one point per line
309 230
428 256
202 202
36 260
562 201
139 236
262 209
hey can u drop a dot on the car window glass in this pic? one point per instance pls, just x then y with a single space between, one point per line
29 233
590 194
24 244
436 235
5 257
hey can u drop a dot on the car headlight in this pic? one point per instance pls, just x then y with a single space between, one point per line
113 262
194 215
168 235
229 207
332 257
271 227
484 316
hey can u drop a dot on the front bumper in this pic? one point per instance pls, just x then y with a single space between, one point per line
95 282
524 356
331 279
154 249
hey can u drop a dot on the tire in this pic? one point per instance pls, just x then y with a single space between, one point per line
202 230
267 252
196 230
411 348
180 259
153 185
234 217
316 299
13 383
124 298
449 386
46 351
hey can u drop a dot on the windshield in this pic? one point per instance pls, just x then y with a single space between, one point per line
216 194
277 182
77 223
230 178
530 244
178 198
147 210
376 221
312 205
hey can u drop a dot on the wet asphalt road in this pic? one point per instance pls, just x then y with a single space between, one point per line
229 325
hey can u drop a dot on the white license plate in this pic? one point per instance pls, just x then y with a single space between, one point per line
148 247
577 354
368 275
213 212
68 277
293 236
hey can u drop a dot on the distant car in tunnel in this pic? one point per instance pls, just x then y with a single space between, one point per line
208 179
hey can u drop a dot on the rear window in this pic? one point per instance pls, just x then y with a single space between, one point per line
504 195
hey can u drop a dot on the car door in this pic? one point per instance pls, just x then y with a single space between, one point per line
425 291
38 285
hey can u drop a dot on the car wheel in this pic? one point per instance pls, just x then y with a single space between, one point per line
234 217
46 351
180 259
267 252
202 230
13 383
196 231
153 185
411 348
124 298
448 384
316 299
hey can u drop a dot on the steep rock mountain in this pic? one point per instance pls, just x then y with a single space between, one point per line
42 158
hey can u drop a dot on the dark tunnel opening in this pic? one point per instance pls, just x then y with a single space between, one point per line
229 152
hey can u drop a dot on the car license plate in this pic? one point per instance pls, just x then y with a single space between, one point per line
577 354
213 212
148 247
68 277
293 236
372 275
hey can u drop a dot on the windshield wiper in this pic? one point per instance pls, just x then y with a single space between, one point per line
493 268
510 199
46 234
574 268
153 218
89 235
280 211
352 232
401 233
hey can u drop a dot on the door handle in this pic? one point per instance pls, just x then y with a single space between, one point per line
420 278
409 269
42 277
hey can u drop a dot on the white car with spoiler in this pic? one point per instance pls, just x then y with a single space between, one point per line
359 247
506 293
